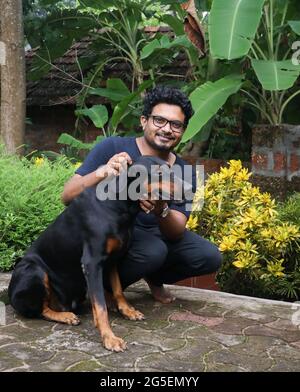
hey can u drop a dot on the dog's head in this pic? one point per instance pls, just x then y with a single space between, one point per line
148 177
156 180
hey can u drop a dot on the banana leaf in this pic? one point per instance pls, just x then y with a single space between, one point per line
232 27
295 26
71 141
207 100
116 90
276 75
122 108
97 113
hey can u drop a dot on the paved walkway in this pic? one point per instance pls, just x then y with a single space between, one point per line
201 331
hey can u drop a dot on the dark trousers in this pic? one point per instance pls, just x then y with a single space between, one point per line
160 261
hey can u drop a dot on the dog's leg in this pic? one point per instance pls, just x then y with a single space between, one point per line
92 264
123 306
52 315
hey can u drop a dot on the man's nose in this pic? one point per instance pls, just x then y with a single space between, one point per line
167 128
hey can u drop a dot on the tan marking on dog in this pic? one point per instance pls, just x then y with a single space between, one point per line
53 315
113 244
123 306
109 339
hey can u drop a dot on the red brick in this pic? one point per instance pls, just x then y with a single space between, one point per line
259 161
294 163
279 161
207 282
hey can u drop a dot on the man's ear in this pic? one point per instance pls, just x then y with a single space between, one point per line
143 121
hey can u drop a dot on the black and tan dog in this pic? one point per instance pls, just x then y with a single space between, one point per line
68 258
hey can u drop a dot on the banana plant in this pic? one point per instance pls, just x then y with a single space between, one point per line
124 103
207 96
258 31
207 100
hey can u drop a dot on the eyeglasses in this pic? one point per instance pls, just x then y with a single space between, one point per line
176 126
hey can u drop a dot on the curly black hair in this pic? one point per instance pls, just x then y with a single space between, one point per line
170 95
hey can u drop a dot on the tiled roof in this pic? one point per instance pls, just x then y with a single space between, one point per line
62 83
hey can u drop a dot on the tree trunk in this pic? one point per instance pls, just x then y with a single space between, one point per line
13 84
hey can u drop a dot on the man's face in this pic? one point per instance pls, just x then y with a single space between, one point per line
160 134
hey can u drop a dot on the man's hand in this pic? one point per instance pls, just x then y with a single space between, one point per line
154 206
115 165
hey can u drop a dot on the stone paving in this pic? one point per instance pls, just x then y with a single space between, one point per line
202 331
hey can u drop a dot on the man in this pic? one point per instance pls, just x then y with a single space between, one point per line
162 250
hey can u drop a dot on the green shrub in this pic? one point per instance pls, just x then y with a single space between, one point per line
261 252
29 200
290 210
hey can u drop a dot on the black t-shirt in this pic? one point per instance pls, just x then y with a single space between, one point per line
110 146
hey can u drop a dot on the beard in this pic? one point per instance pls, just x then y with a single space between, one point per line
159 146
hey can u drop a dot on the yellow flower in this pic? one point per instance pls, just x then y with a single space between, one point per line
245 260
252 217
192 223
228 243
235 165
239 232
276 268
39 161
77 165
198 199
248 247
242 175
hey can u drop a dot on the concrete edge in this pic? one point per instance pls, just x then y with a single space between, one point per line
198 294
214 295
217 296
4 281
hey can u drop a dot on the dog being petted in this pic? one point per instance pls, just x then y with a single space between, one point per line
66 261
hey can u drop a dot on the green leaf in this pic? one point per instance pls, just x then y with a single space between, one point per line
97 113
98 5
69 140
295 26
163 44
232 27
172 1
276 75
116 90
121 109
175 23
207 100
149 48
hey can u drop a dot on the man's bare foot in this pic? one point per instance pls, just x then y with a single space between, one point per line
161 294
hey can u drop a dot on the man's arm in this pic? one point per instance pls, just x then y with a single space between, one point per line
173 225
78 183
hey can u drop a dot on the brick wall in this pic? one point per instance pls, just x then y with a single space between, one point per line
49 122
276 158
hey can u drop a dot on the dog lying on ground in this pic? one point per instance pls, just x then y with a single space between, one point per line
68 258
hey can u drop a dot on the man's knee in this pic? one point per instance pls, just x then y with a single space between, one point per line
155 255
213 258
207 260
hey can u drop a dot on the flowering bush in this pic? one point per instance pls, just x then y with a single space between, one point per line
29 200
261 253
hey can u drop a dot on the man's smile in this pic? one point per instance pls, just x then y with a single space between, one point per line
164 138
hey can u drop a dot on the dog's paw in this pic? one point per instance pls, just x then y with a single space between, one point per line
61 317
131 313
113 343
70 318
